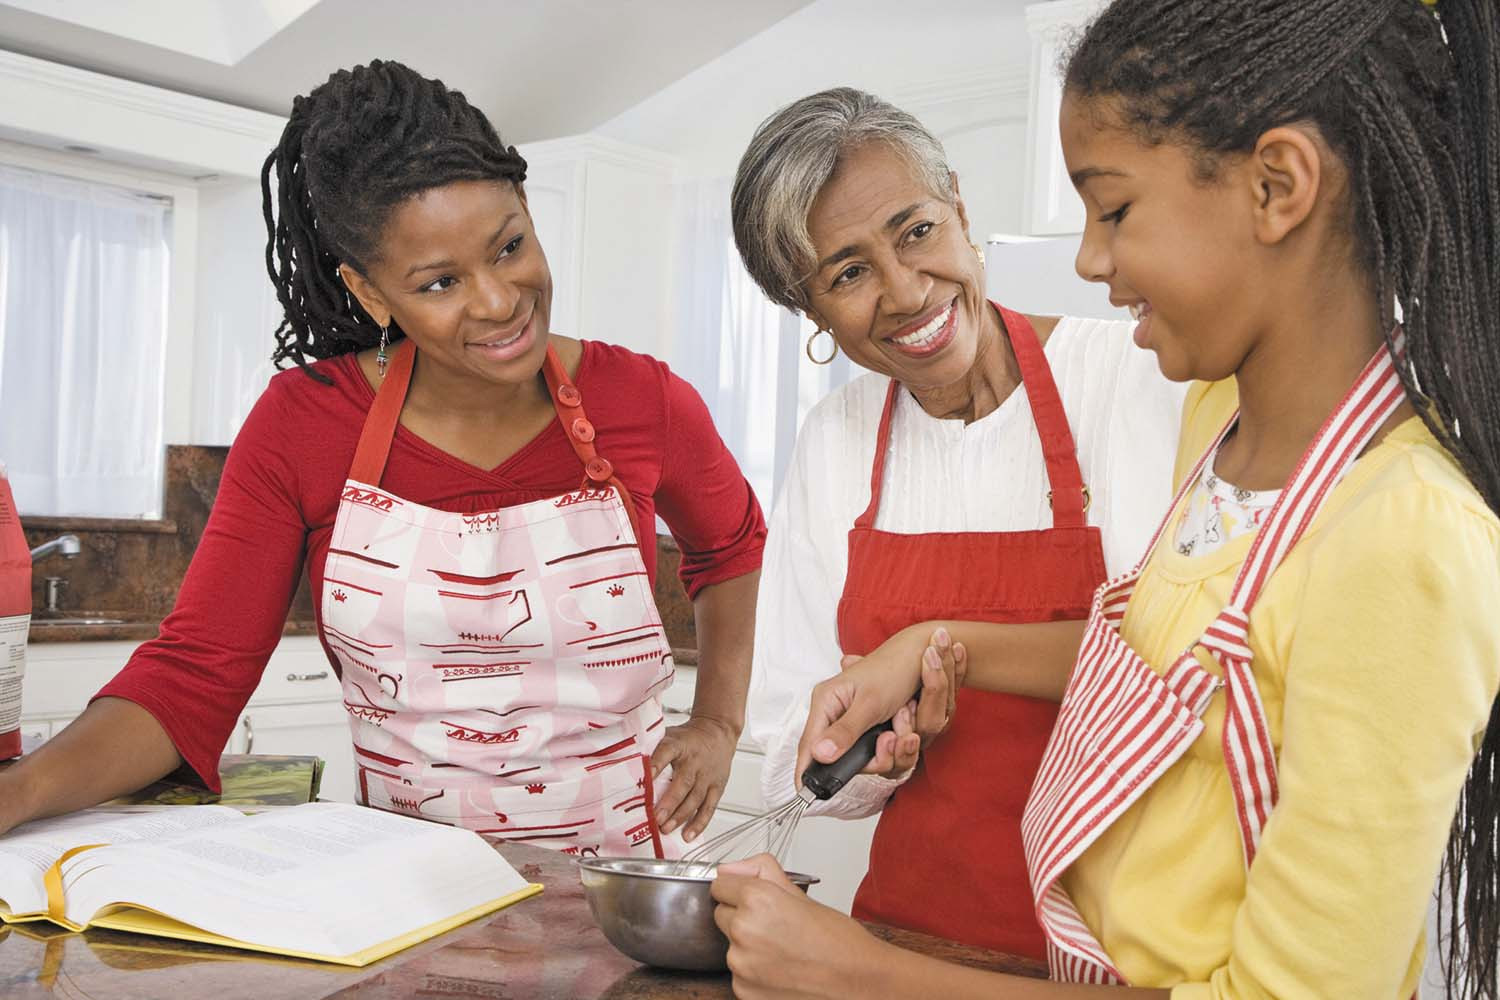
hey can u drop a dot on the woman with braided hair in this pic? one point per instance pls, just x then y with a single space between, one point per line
1278 729
474 498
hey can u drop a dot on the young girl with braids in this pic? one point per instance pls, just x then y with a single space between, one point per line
474 498
1273 727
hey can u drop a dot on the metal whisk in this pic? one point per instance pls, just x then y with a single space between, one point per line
772 831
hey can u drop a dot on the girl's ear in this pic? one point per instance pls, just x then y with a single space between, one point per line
1286 174
368 295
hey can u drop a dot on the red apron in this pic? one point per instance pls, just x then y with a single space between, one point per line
1122 725
953 831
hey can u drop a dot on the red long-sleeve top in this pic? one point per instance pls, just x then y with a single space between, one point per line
280 491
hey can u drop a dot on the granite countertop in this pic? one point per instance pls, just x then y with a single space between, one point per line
544 948
130 629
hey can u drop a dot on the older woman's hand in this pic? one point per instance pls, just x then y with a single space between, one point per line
922 719
782 944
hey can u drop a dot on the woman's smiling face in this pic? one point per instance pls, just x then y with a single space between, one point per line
897 282
460 270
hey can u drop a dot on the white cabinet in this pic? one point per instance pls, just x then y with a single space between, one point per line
1052 206
834 850
296 709
603 214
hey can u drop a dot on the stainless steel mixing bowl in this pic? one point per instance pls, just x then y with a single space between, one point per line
659 912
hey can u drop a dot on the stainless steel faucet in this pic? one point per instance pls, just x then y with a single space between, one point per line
65 545
52 589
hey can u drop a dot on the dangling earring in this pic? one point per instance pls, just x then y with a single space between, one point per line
978 252
381 357
831 354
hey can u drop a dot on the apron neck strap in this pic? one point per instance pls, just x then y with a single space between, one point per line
882 445
1374 398
568 402
1068 496
380 423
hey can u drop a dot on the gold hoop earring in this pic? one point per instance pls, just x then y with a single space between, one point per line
381 355
978 252
831 354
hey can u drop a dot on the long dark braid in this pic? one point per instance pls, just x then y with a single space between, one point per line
355 148
1408 95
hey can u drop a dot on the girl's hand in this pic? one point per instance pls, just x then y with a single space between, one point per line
700 752
782 944
923 719
872 689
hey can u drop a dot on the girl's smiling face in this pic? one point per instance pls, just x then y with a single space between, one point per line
1180 251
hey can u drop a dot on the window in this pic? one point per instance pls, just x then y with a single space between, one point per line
741 351
83 322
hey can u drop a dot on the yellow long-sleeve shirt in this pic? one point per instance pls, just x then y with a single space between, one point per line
1377 657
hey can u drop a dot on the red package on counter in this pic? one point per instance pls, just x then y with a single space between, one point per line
15 619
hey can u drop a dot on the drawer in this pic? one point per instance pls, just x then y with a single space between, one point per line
742 791
34 734
678 698
297 673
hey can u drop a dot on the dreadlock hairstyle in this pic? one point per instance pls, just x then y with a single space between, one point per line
355 148
1405 92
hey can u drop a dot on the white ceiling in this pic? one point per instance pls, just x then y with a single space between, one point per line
538 68
224 31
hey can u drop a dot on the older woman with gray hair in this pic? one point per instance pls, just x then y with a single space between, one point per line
991 468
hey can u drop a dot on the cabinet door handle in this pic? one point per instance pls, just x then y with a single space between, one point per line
249 733
308 677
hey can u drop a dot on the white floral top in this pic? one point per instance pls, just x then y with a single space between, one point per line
1218 512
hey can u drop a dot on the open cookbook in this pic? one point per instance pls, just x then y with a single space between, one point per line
323 881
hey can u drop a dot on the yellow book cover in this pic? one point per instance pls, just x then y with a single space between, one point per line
323 881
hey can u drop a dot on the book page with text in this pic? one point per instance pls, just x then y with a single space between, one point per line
324 878
31 848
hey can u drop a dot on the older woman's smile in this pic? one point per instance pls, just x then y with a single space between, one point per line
927 336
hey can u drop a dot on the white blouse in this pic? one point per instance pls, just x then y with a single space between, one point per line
944 475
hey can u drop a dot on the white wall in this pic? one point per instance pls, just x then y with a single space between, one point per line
236 310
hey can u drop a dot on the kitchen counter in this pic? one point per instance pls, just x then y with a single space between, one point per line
129 629
544 948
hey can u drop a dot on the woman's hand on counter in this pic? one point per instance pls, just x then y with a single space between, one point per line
113 748
16 804
782 944
700 752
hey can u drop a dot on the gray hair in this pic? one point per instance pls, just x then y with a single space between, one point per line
791 156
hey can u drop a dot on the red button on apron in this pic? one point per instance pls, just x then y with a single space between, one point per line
568 395
583 430
599 469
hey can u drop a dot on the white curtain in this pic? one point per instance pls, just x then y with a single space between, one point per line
742 352
83 295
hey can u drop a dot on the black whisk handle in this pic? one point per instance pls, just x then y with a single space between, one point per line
825 780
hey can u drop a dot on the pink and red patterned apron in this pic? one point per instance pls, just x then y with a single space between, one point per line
502 670
1122 725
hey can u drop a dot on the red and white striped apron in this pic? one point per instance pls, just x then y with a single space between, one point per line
1122 725
502 671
